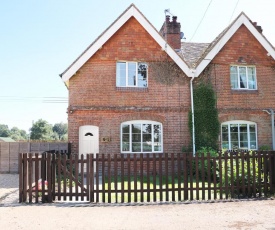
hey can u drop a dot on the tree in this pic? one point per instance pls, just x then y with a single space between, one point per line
41 130
17 134
61 129
4 131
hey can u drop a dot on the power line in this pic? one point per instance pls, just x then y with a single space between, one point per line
234 10
201 20
33 99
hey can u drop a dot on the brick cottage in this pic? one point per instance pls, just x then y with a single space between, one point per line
130 91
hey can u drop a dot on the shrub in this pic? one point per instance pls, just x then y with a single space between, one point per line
234 173
204 164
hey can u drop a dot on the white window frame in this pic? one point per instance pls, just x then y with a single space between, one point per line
238 76
133 122
239 122
126 75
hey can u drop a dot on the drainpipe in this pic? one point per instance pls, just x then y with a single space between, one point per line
272 127
192 111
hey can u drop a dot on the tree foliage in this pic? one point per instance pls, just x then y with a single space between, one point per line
41 130
206 116
4 131
18 135
61 130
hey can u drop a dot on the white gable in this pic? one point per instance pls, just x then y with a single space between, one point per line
132 11
242 20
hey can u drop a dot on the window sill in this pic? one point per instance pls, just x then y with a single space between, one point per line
244 91
132 89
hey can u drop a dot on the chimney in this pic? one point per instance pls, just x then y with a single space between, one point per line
259 28
170 30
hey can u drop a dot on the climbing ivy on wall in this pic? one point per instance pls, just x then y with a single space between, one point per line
206 116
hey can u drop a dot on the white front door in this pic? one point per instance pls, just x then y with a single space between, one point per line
88 140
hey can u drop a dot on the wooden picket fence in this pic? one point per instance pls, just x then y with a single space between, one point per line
127 178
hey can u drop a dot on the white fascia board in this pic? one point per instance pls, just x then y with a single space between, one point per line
215 50
96 46
110 32
260 38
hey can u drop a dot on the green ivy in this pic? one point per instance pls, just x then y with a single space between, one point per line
206 116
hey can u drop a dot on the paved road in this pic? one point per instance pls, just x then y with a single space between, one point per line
246 214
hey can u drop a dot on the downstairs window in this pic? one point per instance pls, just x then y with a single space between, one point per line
141 136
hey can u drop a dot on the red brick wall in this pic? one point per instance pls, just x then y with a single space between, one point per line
245 104
102 104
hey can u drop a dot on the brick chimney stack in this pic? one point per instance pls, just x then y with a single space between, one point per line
170 30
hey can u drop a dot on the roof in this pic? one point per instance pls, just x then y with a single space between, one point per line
6 139
131 11
192 59
191 52
218 43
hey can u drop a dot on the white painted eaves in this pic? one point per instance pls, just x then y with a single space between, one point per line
132 11
241 20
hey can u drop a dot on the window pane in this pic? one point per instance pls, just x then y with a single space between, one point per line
225 145
136 137
253 145
225 140
136 128
136 147
125 129
234 137
243 78
252 137
121 74
225 128
234 145
244 145
142 75
251 77
125 146
147 137
252 128
132 74
224 136
147 128
234 128
234 77
147 146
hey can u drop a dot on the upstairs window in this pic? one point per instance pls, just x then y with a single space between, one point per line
141 136
243 77
131 74
239 135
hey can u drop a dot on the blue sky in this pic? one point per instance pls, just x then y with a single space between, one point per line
40 39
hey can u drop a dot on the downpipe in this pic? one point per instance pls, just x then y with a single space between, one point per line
193 118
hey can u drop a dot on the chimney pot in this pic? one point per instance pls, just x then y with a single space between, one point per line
174 19
167 18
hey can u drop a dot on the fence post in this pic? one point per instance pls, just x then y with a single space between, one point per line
20 169
49 177
25 170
